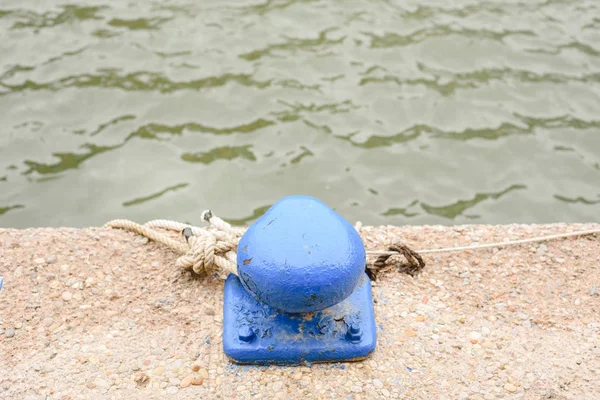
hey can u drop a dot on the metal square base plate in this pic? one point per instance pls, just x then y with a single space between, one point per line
254 333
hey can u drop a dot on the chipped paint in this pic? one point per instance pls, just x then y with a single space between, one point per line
293 339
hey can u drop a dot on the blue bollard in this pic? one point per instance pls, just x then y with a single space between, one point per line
301 294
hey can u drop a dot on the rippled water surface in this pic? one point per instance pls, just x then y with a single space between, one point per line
392 112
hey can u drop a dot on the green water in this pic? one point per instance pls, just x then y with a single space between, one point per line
392 112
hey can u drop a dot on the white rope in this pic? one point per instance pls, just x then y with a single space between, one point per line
208 250
213 248
497 244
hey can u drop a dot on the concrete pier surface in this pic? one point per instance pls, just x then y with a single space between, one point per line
104 314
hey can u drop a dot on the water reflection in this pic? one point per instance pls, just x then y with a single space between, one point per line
273 5
220 153
139 23
67 160
451 211
292 45
578 199
152 131
388 40
156 195
135 81
384 141
8 208
305 153
256 213
402 210
37 21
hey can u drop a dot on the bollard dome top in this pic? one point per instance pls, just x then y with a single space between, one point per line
300 256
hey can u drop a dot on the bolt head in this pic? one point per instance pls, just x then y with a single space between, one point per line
354 335
246 334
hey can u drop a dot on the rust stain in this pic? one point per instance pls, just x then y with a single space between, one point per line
308 316
301 361
247 261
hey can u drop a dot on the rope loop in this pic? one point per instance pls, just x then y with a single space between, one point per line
205 251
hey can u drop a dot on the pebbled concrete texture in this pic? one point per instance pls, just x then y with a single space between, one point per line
103 314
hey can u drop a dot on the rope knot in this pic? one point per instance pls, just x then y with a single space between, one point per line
209 252
205 250
212 248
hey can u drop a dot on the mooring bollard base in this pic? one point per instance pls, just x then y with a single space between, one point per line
254 333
